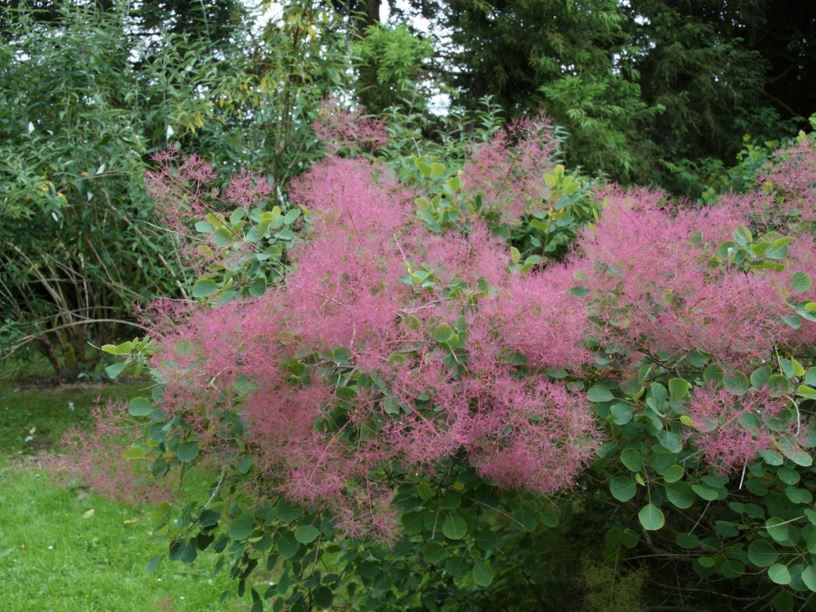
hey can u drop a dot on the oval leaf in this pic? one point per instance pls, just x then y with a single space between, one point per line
305 534
651 517
140 407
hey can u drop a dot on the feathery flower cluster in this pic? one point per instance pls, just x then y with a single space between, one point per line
508 171
341 130
652 286
724 437
388 343
440 354
89 459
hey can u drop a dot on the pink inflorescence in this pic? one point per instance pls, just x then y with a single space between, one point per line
731 429
508 171
343 130
94 459
247 190
458 359
655 290
348 289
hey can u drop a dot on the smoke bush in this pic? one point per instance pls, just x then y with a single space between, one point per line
411 365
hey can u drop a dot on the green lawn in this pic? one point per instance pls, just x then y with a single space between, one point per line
70 549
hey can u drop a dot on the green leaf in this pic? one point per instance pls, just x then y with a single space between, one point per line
800 282
456 567
133 452
707 493
140 407
204 288
651 517
777 528
622 488
779 574
341 355
154 563
792 450
323 597
208 518
792 321
454 527
713 375
434 552
114 369
771 457
125 348
621 413
762 554
809 577
806 391
437 169
632 459
673 473
798 496
482 573
678 388
742 235
183 550
778 385
549 519
203 227
291 216
525 518
688 541
760 376
287 545
305 534
187 452
670 441
241 529
599 393
736 383
443 333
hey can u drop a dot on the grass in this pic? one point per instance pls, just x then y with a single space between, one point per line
68 549
33 418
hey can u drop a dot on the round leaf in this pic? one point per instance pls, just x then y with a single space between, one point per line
762 554
707 493
809 577
678 388
800 282
651 517
482 573
204 287
306 534
736 383
241 529
599 393
632 459
680 495
622 488
777 528
140 407
323 597
779 574
673 473
454 527
187 452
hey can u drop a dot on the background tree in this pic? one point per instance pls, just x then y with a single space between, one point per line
90 97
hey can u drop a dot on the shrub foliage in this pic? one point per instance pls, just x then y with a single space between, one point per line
416 376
